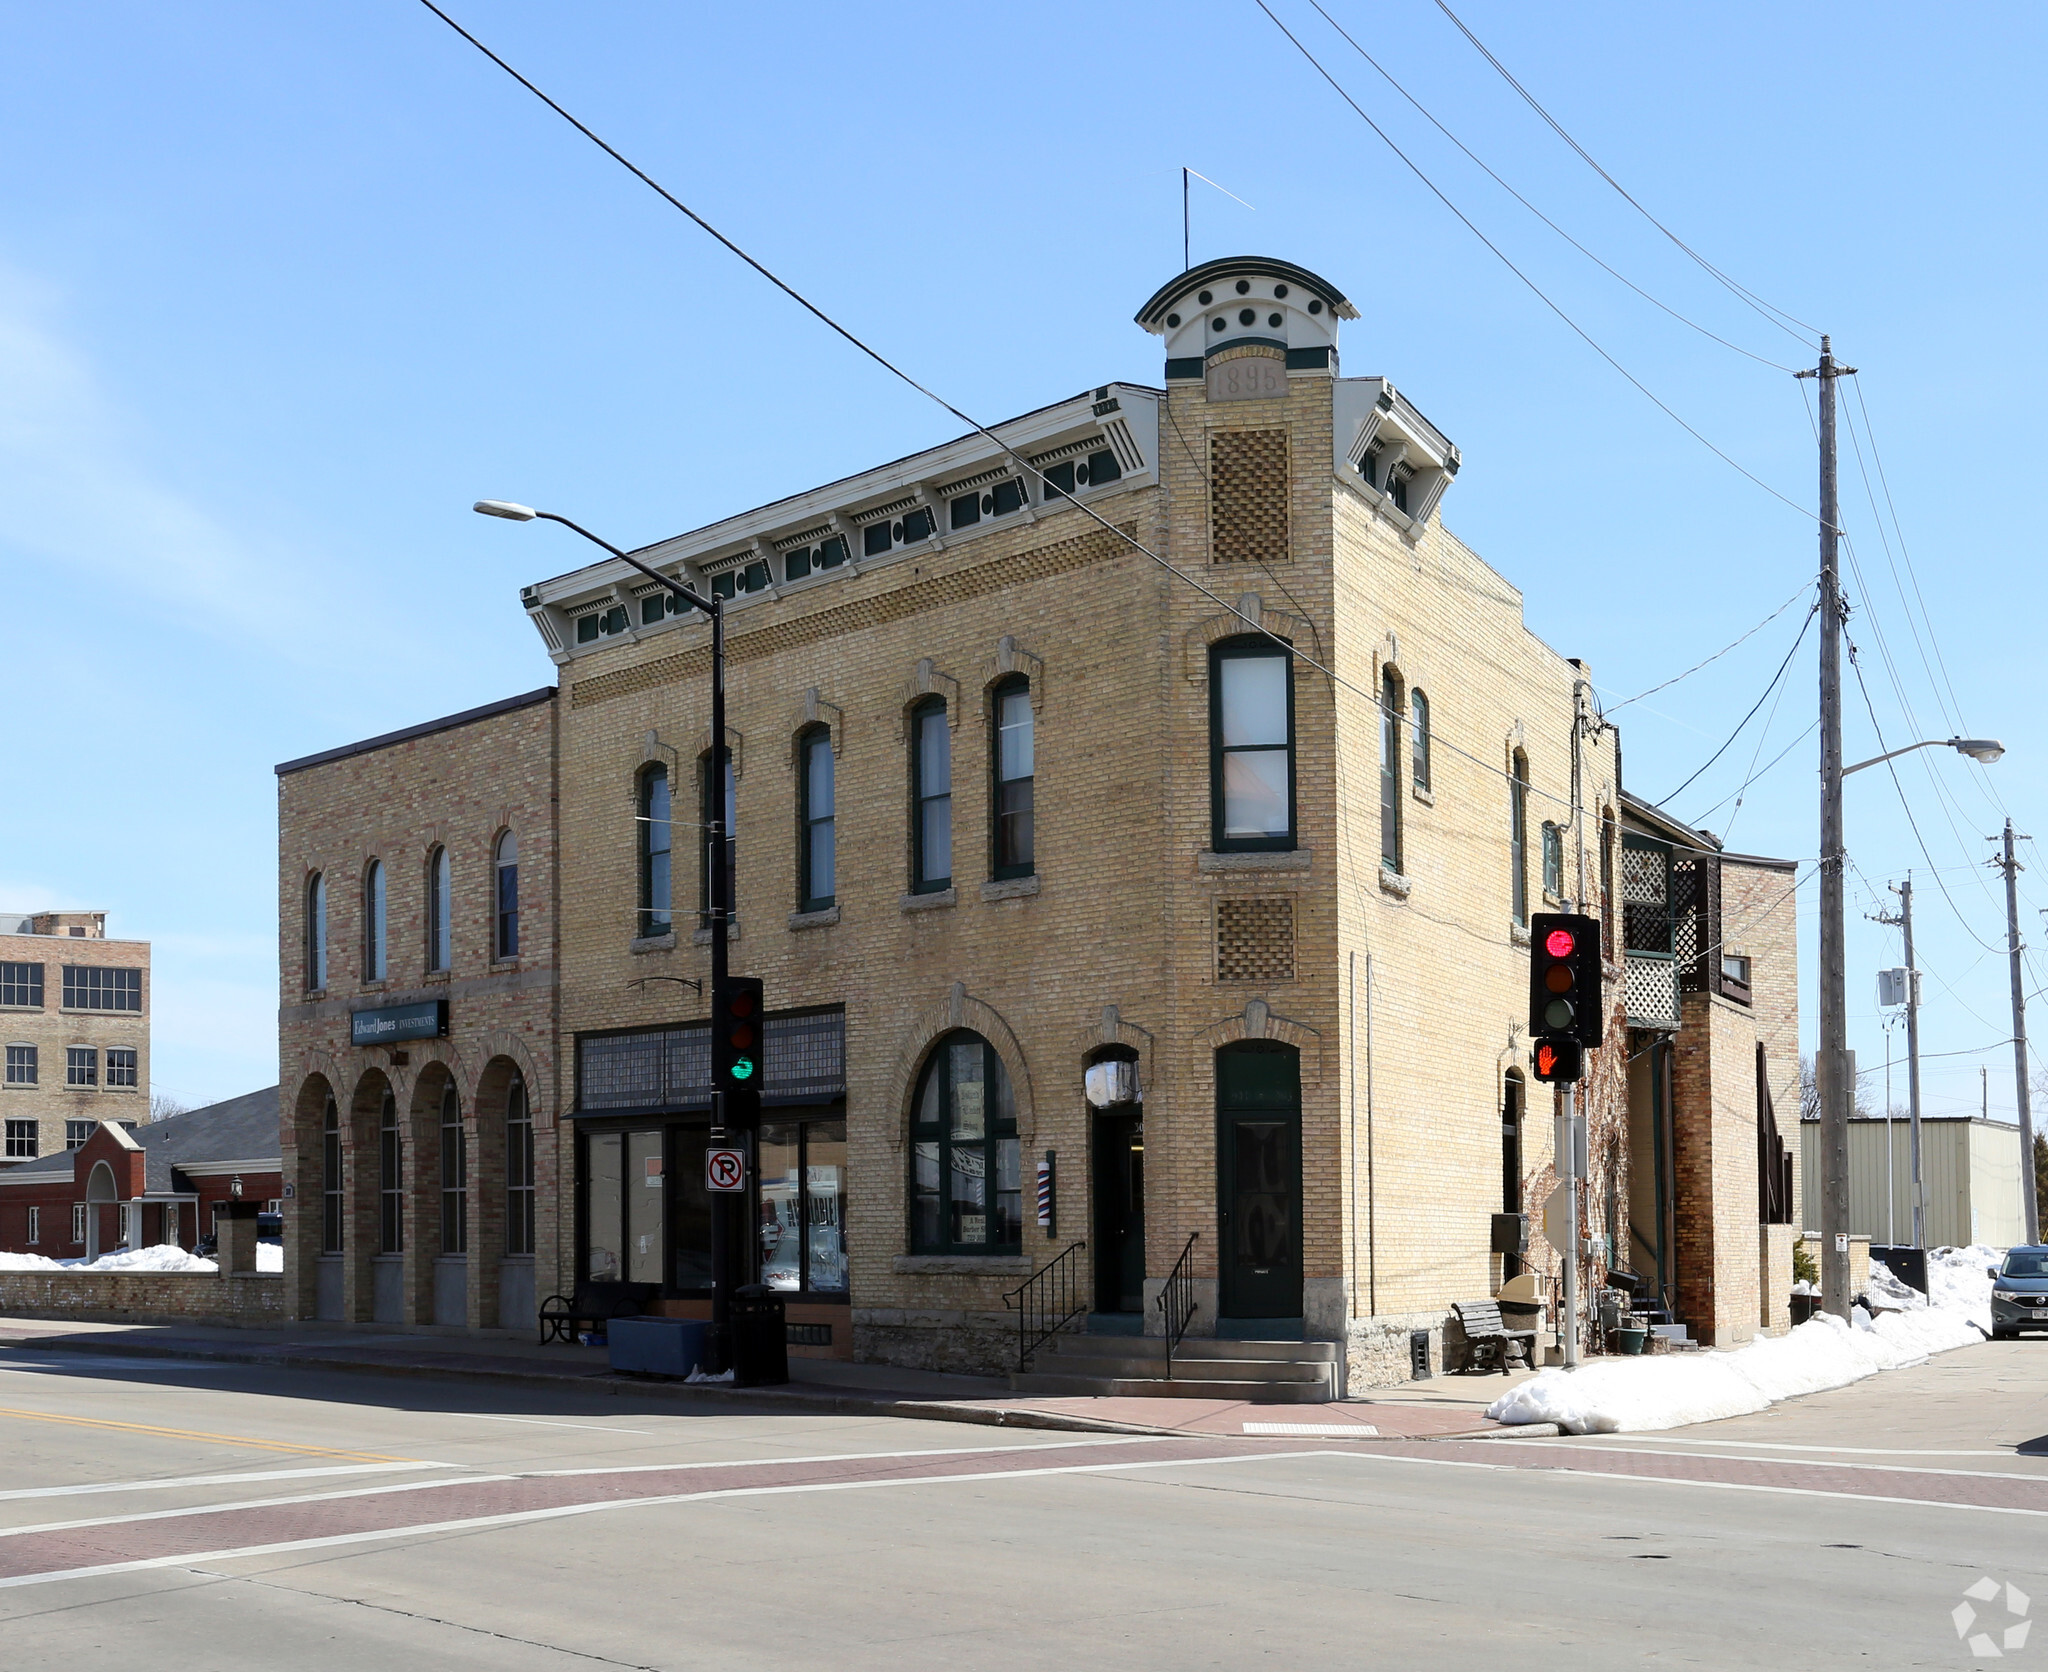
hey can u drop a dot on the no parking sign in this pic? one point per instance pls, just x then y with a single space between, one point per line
725 1170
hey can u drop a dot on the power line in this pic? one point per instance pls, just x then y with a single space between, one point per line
1526 204
1777 316
1751 715
1534 289
1723 651
1337 680
1754 775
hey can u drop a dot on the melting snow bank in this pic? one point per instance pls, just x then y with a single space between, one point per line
1622 1395
158 1257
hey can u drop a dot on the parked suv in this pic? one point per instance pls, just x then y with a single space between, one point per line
2019 1292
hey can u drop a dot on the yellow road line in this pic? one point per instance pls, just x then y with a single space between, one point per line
212 1439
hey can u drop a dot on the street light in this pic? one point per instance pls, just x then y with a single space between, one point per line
1982 750
720 905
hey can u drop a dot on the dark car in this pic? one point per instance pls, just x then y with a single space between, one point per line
2019 1292
269 1228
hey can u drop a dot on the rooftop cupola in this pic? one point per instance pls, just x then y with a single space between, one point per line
1245 299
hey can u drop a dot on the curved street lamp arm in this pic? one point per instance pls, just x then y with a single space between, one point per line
688 594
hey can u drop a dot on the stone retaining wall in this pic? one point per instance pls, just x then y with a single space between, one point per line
242 1299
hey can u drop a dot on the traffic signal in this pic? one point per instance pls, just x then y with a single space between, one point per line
736 1054
1560 1061
1564 977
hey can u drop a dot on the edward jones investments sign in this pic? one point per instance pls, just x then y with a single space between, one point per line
399 1022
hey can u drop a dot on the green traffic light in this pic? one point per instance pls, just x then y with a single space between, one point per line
743 1068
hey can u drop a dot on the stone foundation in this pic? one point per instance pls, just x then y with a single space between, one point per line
963 1343
248 1300
1376 1349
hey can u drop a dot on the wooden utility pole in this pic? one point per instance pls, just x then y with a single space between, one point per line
1913 1059
2030 1207
1835 1089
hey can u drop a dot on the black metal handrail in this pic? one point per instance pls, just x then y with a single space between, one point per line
1177 1300
1046 1302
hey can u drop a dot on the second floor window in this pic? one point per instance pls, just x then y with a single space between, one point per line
1553 861
21 1140
656 835
1251 746
507 871
316 932
373 922
931 787
1518 836
81 1066
1418 744
729 815
22 984
1390 770
1015 832
440 910
818 822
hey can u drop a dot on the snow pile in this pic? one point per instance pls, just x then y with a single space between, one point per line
1891 1294
25 1262
1621 1395
270 1256
158 1257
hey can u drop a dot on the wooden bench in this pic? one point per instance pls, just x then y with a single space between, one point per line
595 1302
1487 1338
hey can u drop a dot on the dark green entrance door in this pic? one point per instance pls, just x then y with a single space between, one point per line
1120 1211
1258 1178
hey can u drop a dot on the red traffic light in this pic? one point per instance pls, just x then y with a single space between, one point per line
1559 943
741 1003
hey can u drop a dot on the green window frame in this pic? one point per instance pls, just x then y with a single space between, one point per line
1418 745
1251 746
1390 771
966 1181
1518 837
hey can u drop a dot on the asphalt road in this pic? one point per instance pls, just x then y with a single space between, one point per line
175 1515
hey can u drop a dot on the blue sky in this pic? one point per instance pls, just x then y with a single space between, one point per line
283 289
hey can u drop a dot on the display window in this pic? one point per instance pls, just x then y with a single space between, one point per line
802 1170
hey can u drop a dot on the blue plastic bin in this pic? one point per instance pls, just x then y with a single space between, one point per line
657 1346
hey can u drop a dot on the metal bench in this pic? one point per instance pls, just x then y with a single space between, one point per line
1487 1339
595 1302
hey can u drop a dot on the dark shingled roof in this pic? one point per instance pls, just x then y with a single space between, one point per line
241 1129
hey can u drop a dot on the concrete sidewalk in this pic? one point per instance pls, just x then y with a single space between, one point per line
1449 1406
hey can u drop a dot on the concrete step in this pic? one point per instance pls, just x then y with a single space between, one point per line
1111 1364
1153 1348
1044 1384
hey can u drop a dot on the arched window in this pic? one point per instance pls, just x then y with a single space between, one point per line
1251 746
966 1190
316 932
1553 860
1013 754
440 911
454 1176
931 791
390 1180
712 778
373 922
656 835
1390 770
817 822
507 934
518 1169
1518 836
1418 739
331 1217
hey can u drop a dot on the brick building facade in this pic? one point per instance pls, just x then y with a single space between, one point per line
74 1007
417 1022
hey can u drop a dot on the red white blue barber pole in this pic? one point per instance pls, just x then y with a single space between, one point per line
1045 1192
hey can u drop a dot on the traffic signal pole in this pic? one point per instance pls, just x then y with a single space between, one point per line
1568 1165
717 898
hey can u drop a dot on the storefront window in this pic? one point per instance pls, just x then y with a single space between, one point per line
604 1209
803 1196
622 1206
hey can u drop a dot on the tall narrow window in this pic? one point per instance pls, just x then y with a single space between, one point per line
724 807
1607 840
1015 749
931 777
518 1169
656 835
1518 836
390 1181
1251 746
330 1180
373 921
966 1192
507 869
1418 740
818 826
440 911
1553 860
316 932
454 1176
1390 770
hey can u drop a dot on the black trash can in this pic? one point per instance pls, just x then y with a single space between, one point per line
760 1339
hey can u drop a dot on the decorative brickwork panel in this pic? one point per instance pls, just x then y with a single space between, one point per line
1248 496
1255 939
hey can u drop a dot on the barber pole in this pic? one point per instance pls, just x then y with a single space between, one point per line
1045 1193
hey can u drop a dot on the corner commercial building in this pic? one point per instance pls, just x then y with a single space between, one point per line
1200 748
